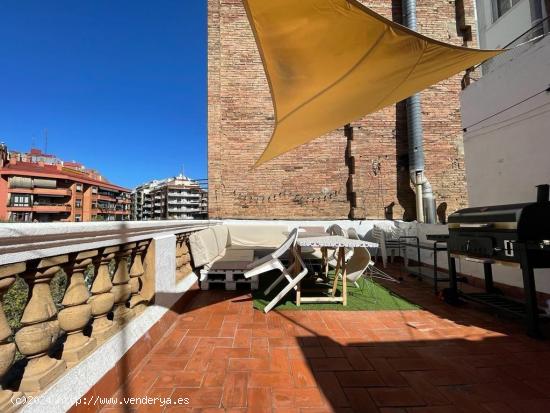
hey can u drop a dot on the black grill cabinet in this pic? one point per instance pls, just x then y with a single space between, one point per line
516 235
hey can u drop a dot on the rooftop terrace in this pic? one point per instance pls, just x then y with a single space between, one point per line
169 340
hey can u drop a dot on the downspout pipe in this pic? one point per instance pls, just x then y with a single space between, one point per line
425 202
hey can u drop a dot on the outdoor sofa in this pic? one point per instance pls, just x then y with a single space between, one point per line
223 252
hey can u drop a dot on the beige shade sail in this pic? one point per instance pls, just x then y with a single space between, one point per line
331 62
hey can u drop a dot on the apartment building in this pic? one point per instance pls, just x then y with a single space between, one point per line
172 198
39 187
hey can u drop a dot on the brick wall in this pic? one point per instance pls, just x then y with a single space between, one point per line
310 182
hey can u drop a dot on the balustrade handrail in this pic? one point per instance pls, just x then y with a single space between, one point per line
24 241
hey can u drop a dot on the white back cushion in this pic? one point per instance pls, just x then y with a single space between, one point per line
204 247
271 236
222 237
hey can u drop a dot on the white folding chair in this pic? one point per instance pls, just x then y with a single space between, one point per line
370 270
273 262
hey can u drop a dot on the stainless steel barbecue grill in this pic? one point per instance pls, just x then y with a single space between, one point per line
517 235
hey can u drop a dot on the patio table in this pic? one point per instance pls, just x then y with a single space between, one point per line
324 242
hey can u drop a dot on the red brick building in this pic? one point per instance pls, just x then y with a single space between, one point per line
314 181
37 187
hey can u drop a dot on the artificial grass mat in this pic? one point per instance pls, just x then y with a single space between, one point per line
371 296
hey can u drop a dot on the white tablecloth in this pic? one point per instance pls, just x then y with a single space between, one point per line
334 241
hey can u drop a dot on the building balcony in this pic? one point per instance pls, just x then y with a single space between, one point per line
102 197
42 191
41 208
51 208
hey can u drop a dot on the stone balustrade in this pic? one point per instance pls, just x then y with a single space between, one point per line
183 257
106 288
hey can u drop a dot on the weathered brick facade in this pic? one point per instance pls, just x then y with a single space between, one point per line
312 181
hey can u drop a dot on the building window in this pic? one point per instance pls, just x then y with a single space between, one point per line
78 203
94 205
500 7
94 189
20 217
20 200
78 187
78 218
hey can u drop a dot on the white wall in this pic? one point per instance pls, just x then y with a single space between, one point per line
494 35
508 155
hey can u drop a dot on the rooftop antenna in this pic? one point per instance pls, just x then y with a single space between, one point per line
32 142
45 140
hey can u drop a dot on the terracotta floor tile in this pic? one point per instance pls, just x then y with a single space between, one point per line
235 352
312 352
302 374
330 364
302 398
531 406
330 386
413 364
247 364
269 379
427 391
279 360
506 389
242 338
157 406
235 389
387 373
356 359
446 377
436 409
259 347
360 400
214 378
179 379
162 363
202 397
396 397
259 399
359 379
498 407
464 397
216 342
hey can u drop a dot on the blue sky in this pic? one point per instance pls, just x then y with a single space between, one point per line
120 85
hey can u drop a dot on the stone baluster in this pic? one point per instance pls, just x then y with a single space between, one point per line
137 302
183 258
77 312
40 327
103 299
7 348
186 257
179 257
121 286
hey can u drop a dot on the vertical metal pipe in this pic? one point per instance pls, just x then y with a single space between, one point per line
425 205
